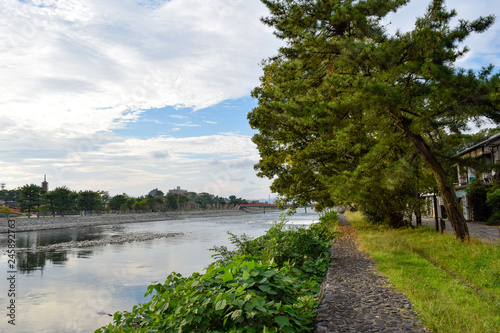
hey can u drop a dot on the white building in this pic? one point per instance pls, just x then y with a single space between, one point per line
178 190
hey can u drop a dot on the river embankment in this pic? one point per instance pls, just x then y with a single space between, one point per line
44 223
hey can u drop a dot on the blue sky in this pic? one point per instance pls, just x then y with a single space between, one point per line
131 95
228 116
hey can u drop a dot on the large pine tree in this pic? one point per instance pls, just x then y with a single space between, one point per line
343 96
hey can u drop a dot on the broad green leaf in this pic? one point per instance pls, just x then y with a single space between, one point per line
236 314
265 288
227 277
220 305
282 321
269 273
251 265
246 275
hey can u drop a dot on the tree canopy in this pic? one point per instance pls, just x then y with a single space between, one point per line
30 197
61 200
346 106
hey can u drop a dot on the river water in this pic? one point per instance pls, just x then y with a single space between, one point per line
73 290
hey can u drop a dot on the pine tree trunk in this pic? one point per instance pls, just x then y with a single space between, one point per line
446 190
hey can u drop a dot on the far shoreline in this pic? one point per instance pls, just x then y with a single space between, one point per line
72 221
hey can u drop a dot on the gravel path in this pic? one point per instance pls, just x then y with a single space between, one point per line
357 299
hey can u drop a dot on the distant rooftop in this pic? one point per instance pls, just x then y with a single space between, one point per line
177 190
481 144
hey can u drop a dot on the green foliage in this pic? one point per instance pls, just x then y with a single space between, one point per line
476 192
305 249
30 197
494 219
233 201
9 195
326 229
117 202
236 295
175 201
6 210
346 105
61 200
267 284
88 201
493 201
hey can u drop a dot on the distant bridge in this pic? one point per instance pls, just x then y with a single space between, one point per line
263 205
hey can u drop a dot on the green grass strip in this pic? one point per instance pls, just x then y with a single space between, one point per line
454 287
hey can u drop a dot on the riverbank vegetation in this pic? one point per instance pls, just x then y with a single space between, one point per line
267 284
454 286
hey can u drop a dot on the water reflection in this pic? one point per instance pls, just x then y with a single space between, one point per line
33 239
73 290
28 261
84 254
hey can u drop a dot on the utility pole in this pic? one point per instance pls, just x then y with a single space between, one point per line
436 218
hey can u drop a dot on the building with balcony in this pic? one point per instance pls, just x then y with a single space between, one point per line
486 153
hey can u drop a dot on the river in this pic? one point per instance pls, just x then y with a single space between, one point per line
73 290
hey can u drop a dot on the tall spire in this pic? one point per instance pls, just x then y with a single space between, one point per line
45 184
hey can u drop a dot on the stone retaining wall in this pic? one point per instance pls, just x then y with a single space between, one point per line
43 223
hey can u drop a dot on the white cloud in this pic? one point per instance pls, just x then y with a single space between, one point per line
132 165
73 71
185 125
73 67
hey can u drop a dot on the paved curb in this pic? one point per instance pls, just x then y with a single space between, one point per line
486 233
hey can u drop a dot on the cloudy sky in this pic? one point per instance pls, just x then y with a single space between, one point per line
131 95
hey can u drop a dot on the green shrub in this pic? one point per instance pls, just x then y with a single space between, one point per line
476 192
494 219
305 249
493 201
267 284
326 229
238 295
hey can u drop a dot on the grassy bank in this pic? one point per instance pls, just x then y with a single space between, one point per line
455 287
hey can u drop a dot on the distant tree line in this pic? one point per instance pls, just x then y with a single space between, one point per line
62 201
186 201
9 195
